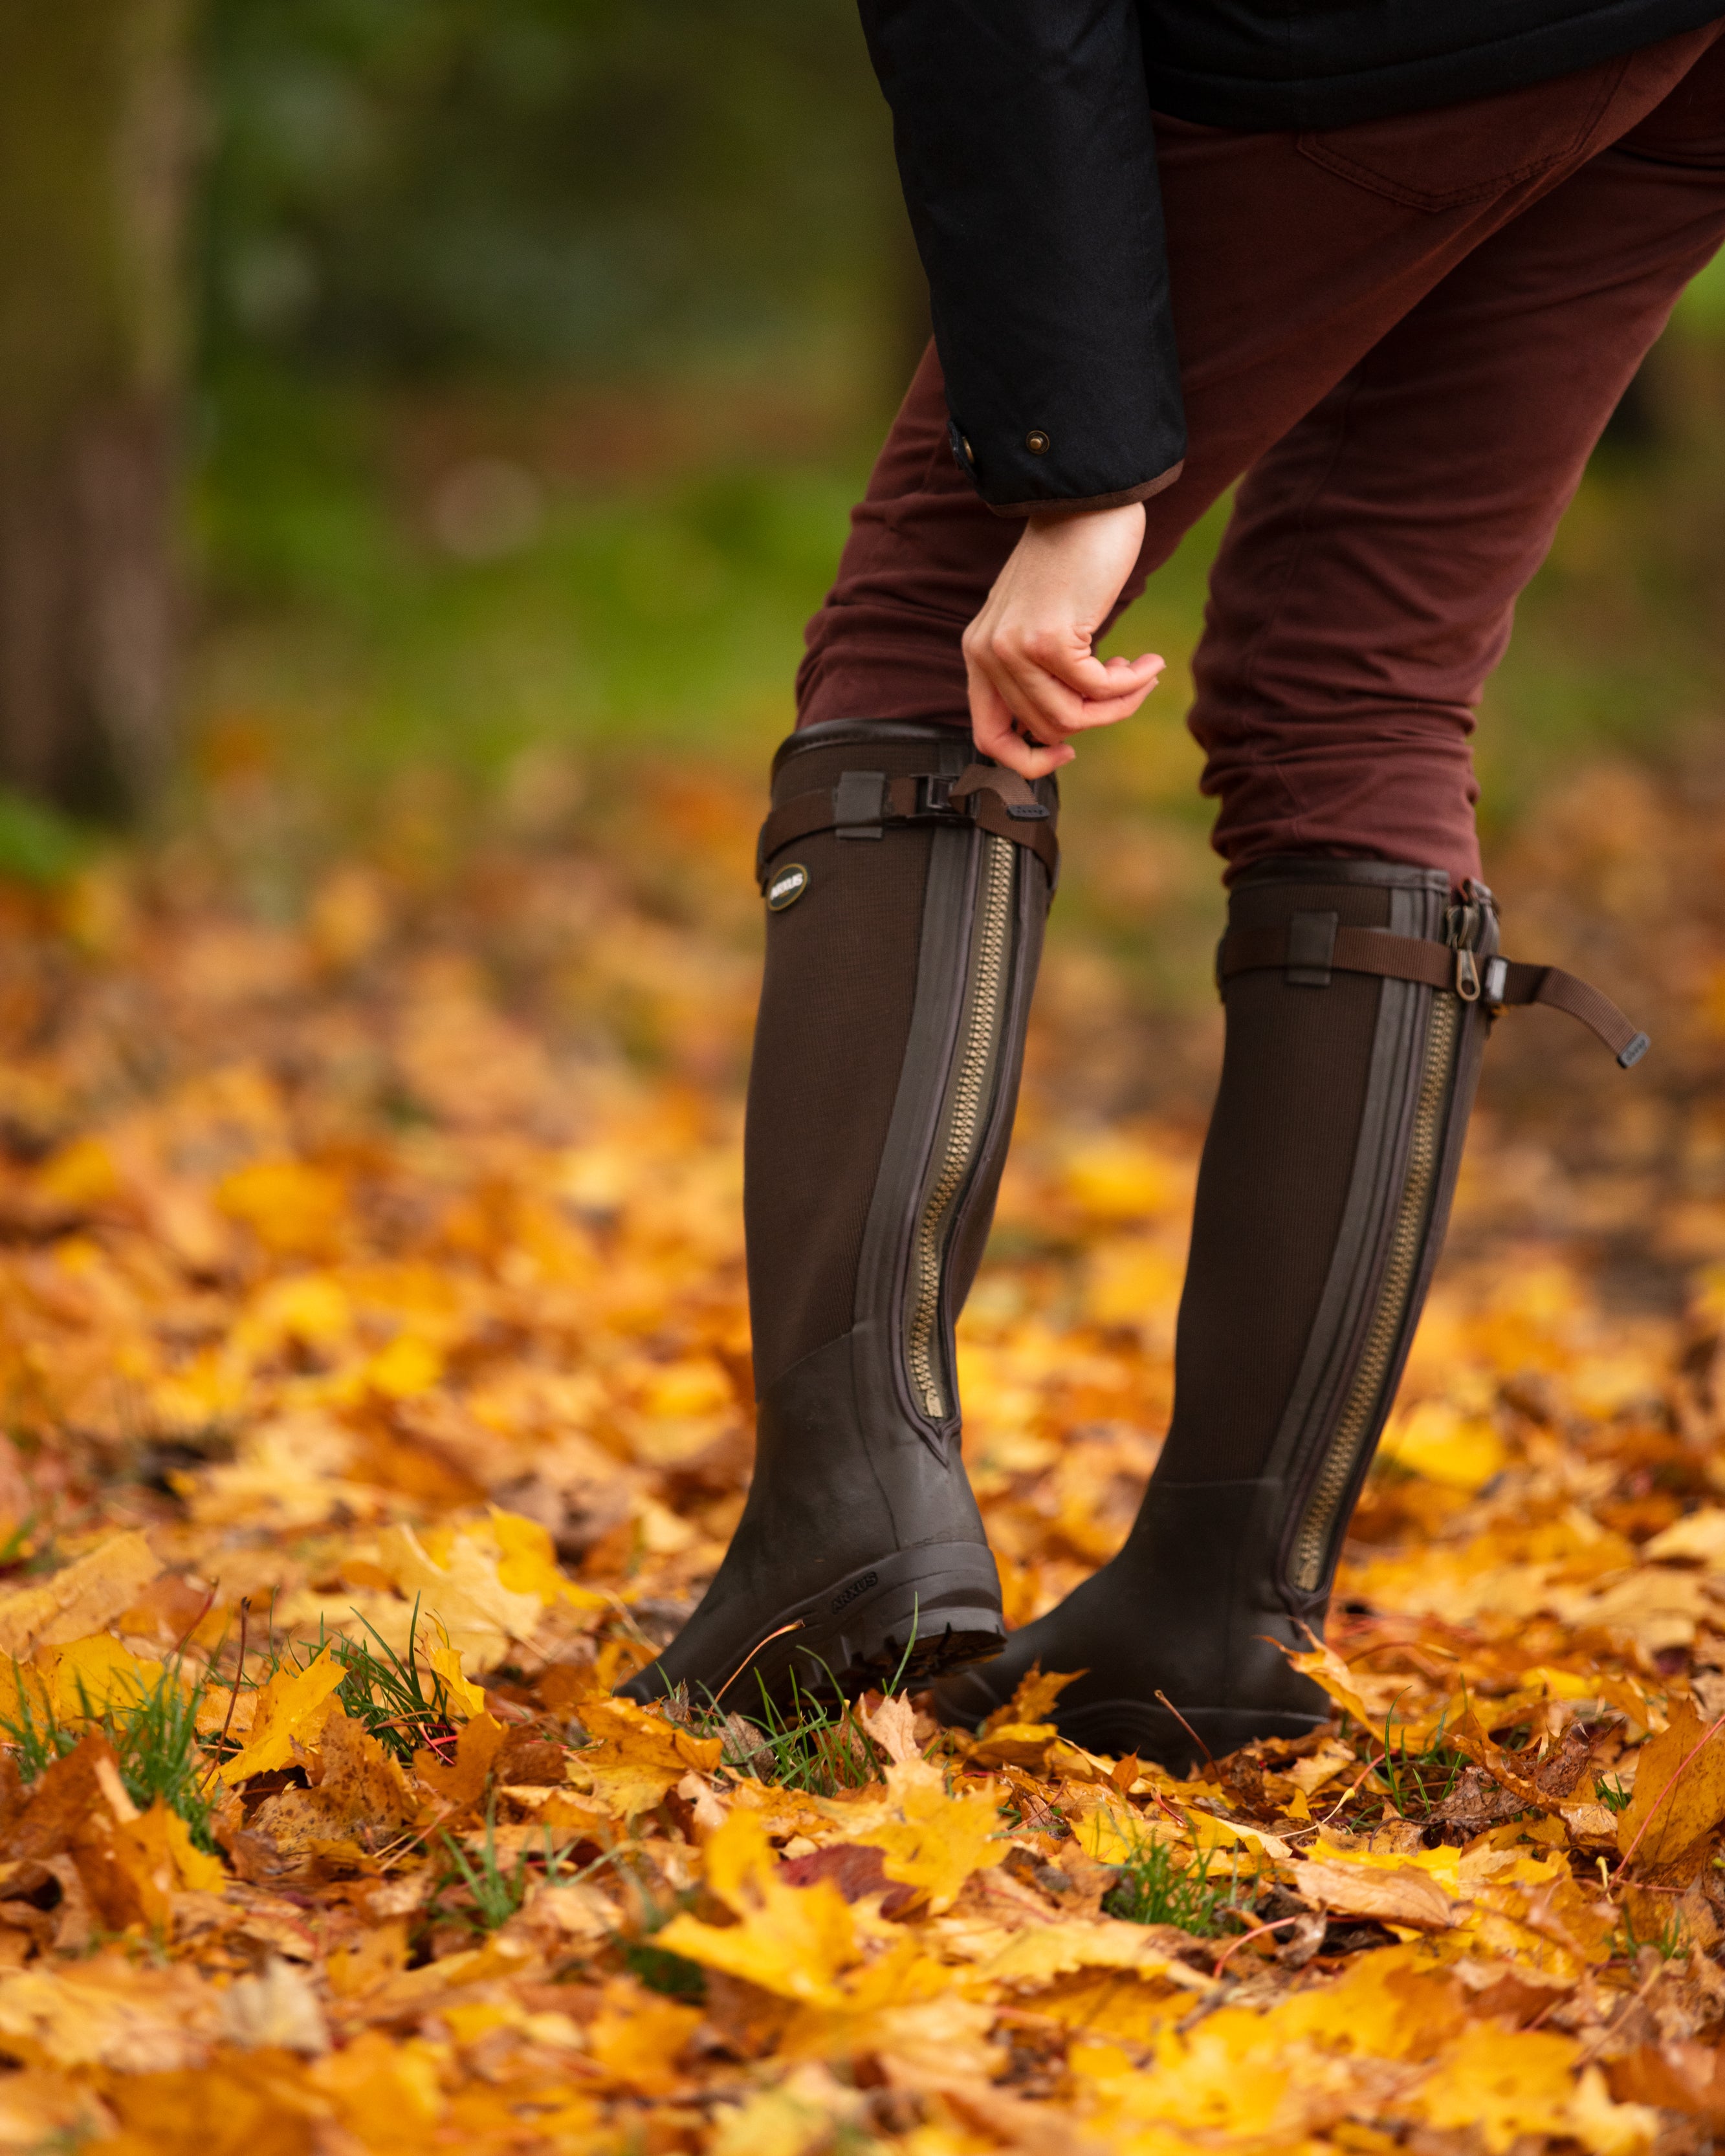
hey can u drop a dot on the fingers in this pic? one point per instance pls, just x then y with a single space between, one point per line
992 729
1033 671
1044 703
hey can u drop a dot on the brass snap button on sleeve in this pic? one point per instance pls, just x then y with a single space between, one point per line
1038 443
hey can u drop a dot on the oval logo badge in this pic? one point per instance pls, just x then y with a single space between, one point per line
787 886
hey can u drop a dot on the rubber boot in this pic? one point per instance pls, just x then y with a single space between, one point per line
1322 1197
906 883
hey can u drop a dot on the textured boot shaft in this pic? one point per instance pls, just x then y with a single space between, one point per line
906 886
1322 1197
886 1056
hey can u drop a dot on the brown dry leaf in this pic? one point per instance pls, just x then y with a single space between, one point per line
461 1781
1401 1897
1680 2076
362 1792
1679 1790
893 1727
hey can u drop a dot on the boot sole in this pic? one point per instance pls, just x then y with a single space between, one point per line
1118 1727
909 1618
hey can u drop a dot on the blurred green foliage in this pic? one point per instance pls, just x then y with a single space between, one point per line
410 200
400 187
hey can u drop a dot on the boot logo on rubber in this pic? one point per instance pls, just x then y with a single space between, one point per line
787 886
853 1590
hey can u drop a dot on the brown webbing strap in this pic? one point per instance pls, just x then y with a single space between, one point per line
1498 982
999 801
1552 986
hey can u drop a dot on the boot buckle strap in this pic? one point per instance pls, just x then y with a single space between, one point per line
1504 983
863 804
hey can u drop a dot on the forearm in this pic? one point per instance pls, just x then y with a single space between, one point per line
1025 145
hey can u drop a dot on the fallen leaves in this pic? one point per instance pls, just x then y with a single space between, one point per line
1680 1792
291 1708
1403 1896
80 1600
380 1318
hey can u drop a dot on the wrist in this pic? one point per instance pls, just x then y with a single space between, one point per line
1057 519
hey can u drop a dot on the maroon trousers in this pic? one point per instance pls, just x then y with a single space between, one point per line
1408 336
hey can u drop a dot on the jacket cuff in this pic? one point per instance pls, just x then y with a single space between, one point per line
1060 510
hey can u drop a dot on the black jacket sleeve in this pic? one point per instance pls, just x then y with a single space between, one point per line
1025 145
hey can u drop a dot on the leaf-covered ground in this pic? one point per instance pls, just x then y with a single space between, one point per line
374 1356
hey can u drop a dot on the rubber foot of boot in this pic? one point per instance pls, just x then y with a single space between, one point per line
905 1620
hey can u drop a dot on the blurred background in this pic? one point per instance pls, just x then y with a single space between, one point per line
426 424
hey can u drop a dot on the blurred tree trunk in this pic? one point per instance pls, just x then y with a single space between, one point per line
94 130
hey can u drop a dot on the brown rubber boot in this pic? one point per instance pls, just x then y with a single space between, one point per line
906 885
1359 998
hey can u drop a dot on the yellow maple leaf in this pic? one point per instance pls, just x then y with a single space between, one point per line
294 1209
1436 1439
463 1696
387 2095
91 1675
527 1562
636 2037
935 1841
795 1940
478 1615
83 1598
292 1705
1116 1176
640 1755
157 1854
1502 2082
1028 1706
1040 1953
799 1943
1112 1833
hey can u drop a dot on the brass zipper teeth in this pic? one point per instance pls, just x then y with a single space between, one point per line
967 1106
1339 1461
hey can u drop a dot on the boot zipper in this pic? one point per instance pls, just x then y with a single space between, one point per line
963 1123
1343 1454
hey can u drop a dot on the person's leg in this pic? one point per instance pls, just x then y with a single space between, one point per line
906 887
859 1526
1290 257
1362 594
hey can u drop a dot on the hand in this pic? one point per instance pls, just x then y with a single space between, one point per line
1032 667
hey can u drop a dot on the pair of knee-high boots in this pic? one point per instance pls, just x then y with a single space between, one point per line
906 883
